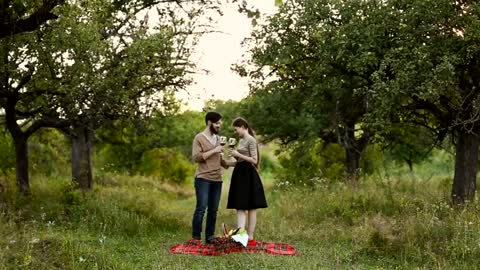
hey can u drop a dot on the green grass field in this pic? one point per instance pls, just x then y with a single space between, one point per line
131 222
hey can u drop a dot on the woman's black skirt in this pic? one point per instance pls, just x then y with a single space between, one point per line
246 189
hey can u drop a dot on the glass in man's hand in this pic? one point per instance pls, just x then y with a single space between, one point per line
223 140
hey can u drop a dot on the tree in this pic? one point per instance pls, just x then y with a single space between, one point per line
430 76
317 59
15 73
22 16
97 62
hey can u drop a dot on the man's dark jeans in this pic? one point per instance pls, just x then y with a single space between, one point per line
208 197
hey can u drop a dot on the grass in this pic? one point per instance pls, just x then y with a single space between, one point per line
131 222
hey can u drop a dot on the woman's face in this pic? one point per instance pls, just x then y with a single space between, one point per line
240 131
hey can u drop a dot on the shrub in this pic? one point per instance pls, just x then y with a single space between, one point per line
305 164
109 160
49 153
166 164
267 163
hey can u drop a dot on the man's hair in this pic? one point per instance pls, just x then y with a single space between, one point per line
212 117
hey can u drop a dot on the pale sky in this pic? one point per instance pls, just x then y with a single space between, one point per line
216 52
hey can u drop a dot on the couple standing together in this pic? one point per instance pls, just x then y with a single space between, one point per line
246 192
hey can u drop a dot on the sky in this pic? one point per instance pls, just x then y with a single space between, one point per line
216 52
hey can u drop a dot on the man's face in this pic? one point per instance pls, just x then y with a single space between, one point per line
215 127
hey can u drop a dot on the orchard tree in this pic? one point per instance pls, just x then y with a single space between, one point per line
24 16
313 64
98 61
432 74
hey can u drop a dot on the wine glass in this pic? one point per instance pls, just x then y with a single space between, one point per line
231 145
232 142
223 140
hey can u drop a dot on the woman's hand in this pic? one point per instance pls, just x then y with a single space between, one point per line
235 154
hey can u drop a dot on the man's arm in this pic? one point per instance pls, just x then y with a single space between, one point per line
197 152
224 163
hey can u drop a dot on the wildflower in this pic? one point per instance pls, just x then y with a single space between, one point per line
102 239
34 241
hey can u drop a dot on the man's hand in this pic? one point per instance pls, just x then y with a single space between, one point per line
218 149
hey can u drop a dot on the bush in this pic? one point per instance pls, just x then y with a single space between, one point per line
134 138
108 159
166 164
371 159
49 153
305 164
267 163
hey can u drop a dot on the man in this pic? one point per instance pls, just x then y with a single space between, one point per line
206 152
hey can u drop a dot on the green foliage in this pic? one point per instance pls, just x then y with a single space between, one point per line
166 164
7 151
407 143
268 164
307 164
113 79
48 148
134 138
174 131
309 73
229 110
108 159
49 153
372 159
97 61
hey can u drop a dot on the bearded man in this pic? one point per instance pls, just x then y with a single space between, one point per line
206 152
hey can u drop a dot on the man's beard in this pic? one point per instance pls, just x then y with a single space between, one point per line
213 129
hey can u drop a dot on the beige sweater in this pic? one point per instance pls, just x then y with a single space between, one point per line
210 168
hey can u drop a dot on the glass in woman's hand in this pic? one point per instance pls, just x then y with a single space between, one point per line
232 142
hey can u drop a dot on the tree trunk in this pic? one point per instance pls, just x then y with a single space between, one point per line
353 163
410 164
21 147
353 149
466 157
81 156
21 153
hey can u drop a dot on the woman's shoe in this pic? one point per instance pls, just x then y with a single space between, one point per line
252 243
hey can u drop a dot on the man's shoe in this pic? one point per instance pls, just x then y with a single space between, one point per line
195 241
210 240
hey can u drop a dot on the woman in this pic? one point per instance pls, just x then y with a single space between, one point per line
246 190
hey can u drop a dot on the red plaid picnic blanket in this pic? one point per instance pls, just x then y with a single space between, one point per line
226 246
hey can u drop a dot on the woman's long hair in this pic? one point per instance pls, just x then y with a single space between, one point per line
240 122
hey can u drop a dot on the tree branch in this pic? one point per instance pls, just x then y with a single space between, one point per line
33 22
